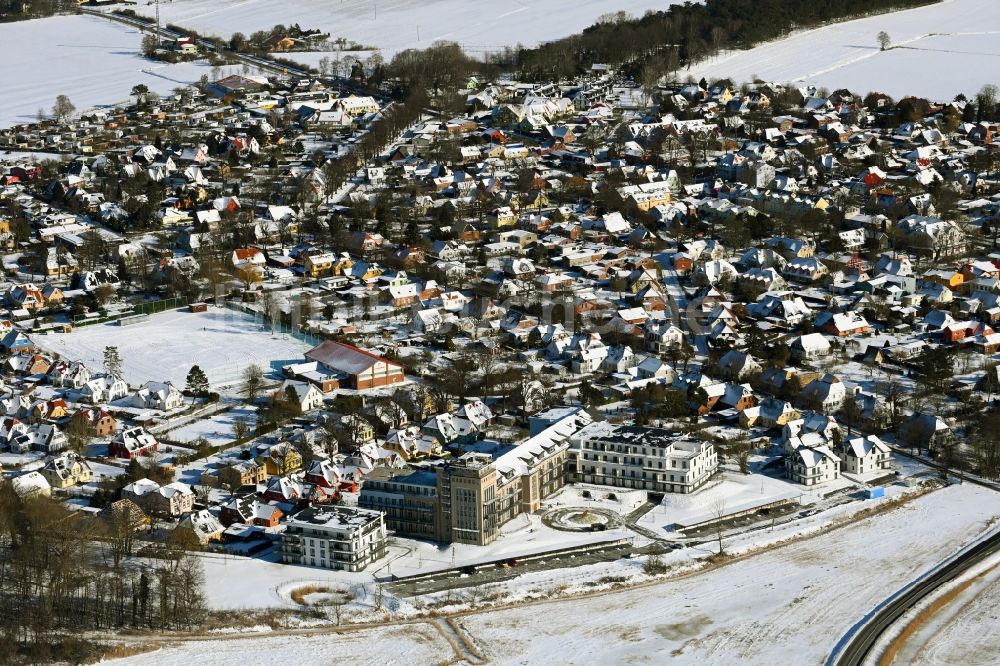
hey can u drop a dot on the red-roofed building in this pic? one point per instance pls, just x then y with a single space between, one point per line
362 369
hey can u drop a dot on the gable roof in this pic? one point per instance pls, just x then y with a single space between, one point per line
346 358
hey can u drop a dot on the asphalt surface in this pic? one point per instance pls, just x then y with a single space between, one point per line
862 642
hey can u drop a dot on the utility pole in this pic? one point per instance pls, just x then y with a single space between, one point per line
158 39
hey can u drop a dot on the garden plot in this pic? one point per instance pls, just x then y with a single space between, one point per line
165 346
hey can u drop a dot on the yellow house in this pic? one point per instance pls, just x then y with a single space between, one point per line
496 151
319 264
372 272
646 196
342 264
726 96
67 470
250 273
357 106
502 217
280 459
951 279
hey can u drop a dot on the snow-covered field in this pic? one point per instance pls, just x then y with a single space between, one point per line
403 24
787 605
268 584
164 347
91 60
732 494
962 631
217 429
939 51
409 644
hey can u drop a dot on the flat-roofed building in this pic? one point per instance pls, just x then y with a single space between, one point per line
334 537
643 458
407 498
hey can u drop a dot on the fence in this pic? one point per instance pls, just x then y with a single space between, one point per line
143 309
152 307
276 326
132 319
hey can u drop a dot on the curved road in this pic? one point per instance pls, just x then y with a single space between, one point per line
861 642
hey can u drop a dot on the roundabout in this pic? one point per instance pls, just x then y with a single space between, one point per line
581 519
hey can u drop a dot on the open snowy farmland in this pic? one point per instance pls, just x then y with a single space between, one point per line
165 346
937 51
402 24
92 61
408 644
789 604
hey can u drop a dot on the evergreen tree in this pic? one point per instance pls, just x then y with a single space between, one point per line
197 381
112 361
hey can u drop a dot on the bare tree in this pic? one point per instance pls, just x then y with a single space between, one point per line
883 40
63 108
719 512
124 520
253 382
241 428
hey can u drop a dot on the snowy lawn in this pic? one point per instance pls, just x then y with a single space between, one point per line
731 493
938 51
269 584
164 347
91 60
217 429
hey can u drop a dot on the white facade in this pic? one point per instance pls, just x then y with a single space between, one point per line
336 537
645 458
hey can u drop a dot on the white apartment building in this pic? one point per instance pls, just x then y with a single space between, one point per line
644 458
334 537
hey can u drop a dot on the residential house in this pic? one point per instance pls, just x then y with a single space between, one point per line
103 388
65 470
280 459
204 525
173 499
307 396
841 324
248 510
131 443
162 396
865 455
809 347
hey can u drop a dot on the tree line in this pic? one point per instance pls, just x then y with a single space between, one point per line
20 10
65 572
683 34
